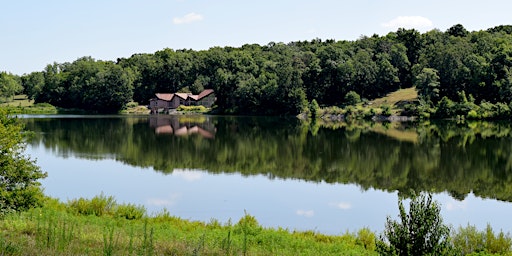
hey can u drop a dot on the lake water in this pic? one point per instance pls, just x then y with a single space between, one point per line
325 177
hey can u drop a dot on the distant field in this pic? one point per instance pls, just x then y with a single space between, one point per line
18 101
409 94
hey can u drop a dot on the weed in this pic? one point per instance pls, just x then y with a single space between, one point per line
108 241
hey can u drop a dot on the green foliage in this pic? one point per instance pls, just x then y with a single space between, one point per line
386 110
53 231
129 211
196 109
366 238
19 175
280 79
105 206
352 98
97 86
98 205
9 86
427 83
442 146
468 240
418 232
313 109
445 108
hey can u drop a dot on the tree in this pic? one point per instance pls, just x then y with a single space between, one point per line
457 30
33 84
419 232
427 84
9 85
19 175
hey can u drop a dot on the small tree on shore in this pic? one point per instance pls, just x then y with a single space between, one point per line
419 232
19 175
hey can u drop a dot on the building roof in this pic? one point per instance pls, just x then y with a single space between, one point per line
204 93
165 96
184 96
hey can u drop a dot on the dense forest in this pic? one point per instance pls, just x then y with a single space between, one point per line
456 72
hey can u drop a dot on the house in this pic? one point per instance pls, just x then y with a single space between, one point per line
167 101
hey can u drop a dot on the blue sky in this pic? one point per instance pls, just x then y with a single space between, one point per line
37 33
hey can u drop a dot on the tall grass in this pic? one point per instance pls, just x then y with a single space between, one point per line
60 229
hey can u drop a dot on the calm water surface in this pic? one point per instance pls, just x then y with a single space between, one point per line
330 178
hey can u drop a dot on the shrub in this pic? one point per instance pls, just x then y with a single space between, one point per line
19 186
98 205
468 240
352 98
386 110
366 238
314 108
199 109
132 104
130 211
419 232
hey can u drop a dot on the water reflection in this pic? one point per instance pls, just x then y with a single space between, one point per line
183 126
282 171
441 157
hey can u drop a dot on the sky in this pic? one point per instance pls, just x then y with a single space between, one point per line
36 33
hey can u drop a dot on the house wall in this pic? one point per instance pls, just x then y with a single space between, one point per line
207 101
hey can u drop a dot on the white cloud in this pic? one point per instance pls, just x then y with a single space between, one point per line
306 213
456 205
189 18
408 22
342 205
187 175
164 201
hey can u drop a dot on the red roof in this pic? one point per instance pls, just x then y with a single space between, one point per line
169 96
165 96
204 94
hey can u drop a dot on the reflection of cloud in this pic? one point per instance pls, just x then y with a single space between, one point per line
189 18
173 198
306 213
408 22
342 205
456 205
187 175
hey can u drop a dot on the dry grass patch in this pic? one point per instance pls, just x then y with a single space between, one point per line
402 95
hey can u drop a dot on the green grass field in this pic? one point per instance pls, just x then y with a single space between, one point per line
111 229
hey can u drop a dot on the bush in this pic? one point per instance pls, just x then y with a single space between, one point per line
199 109
419 232
386 110
130 211
98 205
469 240
314 108
352 98
19 175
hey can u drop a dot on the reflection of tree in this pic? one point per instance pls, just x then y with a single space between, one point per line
457 158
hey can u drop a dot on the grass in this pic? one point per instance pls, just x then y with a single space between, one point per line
395 98
20 104
59 229
18 101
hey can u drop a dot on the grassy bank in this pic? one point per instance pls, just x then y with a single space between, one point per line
101 227
20 104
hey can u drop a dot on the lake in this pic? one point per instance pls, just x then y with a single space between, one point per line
326 177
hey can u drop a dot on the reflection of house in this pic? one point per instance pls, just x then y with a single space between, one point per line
166 101
173 125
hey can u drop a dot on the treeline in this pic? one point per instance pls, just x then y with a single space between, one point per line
455 71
